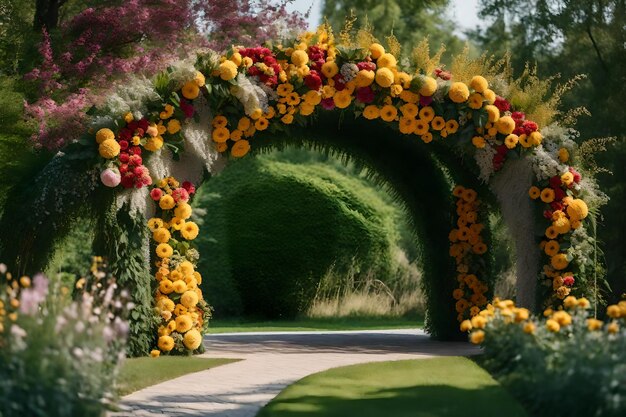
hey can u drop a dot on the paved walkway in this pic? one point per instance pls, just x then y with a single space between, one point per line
272 361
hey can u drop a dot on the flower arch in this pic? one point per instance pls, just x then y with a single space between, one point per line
154 140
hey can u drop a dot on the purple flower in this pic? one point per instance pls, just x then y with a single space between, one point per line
328 103
426 101
365 95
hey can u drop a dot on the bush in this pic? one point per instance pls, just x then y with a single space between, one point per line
273 229
566 364
60 357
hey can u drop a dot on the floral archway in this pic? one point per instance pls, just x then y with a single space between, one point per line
153 141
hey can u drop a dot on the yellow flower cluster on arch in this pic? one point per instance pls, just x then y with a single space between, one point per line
182 311
466 244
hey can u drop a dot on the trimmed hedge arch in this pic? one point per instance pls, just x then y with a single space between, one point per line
154 131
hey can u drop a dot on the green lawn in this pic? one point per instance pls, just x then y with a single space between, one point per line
138 373
440 387
348 323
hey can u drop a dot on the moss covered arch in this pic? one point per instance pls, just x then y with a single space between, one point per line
307 90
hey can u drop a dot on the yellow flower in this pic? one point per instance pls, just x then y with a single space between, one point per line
563 155
154 223
551 232
173 126
384 77
236 58
299 58
191 90
154 144
179 286
534 192
479 142
613 327
128 117
427 114
493 113
594 324
161 235
261 124
166 343
428 86
163 250
552 325
177 223
109 149
521 314
475 101
199 79
511 141
364 78
613 311
183 211
477 337
570 302
583 303
342 99
421 127
559 261
409 110
154 353
459 93
239 149
330 69
563 318
228 70
376 50
244 123
577 209
438 123
479 83
167 202
466 326
490 96
192 339
479 322
427 137
165 286
386 60
529 328
190 229
219 121
104 134
547 195
388 113
165 304
371 112
220 135
407 125
535 138
505 125
452 126
562 225
551 248
312 97
189 299
183 323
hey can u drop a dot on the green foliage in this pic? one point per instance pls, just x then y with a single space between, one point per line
307 217
573 372
443 387
121 237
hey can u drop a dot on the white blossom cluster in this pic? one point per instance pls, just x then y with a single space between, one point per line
131 96
484 160
250 95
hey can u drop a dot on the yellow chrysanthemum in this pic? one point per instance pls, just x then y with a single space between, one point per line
342 99
177 223
511 141
376 50
330 69
479 84
154 144
493 113
261 124
191 90
199 79
167 202
386 60
161 235
438 123
421 127
475 101
312 97
459 93
165 304
166 343
547 195
427 114
371 112
173 126
192 339
109 149
179 286
407 125
155 223
299 58
186 268
551 248
428 86
364 78
452 126
563 155
228 70
477 337
190 230
577 209
163 250
384 77
219 121
183 211
220 134
388 113
239 149
104 134
183 323
505 125
189 299
559 261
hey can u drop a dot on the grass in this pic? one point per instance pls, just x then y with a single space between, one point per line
312 324
138 373
440 387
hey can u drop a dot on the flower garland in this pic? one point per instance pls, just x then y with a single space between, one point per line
183 313
466 247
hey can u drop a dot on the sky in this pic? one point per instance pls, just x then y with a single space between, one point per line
464 12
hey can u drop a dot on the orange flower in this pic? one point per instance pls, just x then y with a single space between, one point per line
240 148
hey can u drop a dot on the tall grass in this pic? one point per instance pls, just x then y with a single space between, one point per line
363 294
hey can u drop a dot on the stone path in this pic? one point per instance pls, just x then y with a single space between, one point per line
272 361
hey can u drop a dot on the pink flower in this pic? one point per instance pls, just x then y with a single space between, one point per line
180 194
328 103
187 108
110 177
191 189
443 74
568 280
152 130
156 194
576 174
135 160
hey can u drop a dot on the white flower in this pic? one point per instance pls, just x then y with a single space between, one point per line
250 95
484 160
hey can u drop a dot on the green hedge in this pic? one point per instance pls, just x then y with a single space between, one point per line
272 229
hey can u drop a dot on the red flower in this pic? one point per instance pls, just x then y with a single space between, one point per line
125 134
502 104
124 158
143 124
136 160
128 180
443 74
123 145
189 187
555 182
328 103
568 280
365 95
425 101
180 194
368 66
134 150
577 176
548 214
529 127
187 108
339 82
557 205
313 80
559 194
123 169
156 194
518 115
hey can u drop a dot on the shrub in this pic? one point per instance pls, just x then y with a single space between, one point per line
563 364
60 357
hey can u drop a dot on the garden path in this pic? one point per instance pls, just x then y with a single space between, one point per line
272 361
